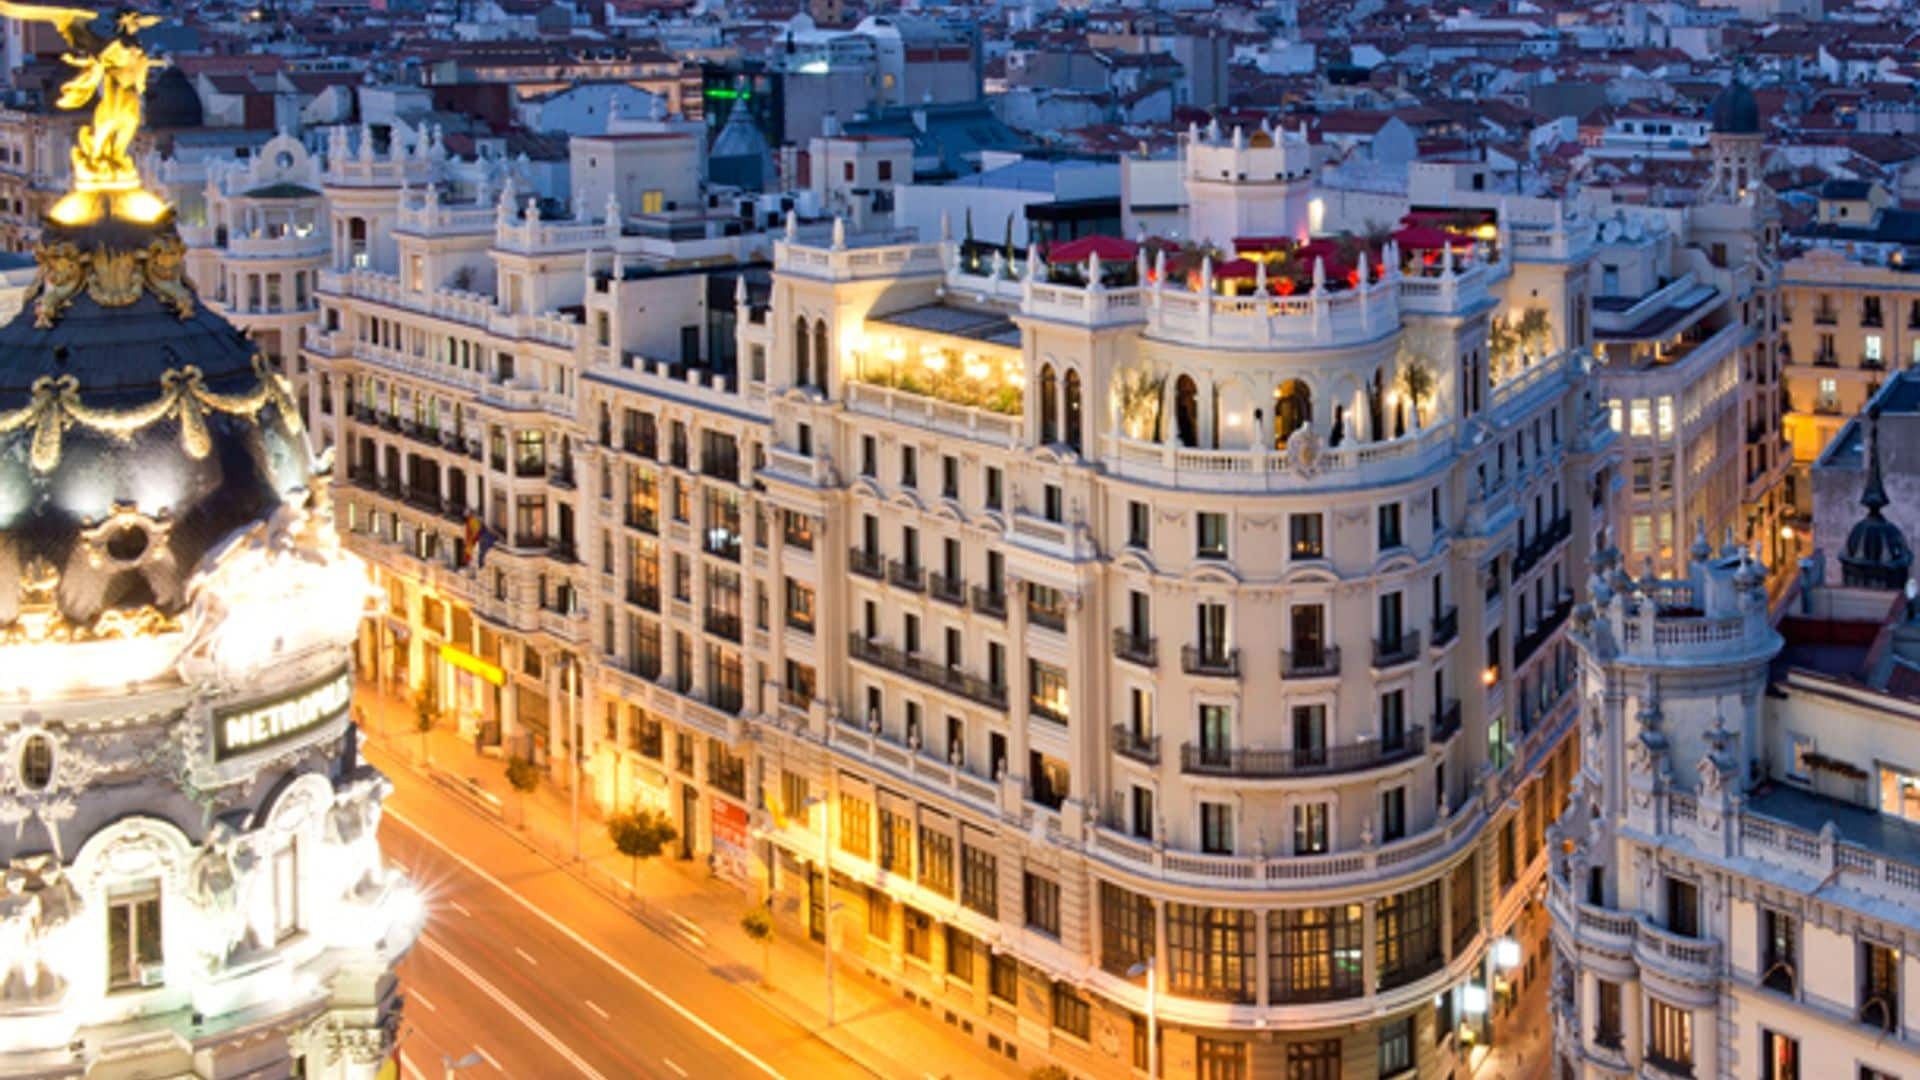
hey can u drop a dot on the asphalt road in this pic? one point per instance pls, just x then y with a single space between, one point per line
542 977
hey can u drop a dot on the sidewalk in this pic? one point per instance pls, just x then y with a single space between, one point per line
686 904
1523 1034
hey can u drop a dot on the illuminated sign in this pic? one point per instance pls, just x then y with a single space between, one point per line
472 664
729 95
257 727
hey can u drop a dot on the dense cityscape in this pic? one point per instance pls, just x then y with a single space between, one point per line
659 538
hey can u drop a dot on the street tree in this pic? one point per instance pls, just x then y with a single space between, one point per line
640 834
524 776
757 924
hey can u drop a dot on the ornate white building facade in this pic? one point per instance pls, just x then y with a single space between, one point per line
1107 615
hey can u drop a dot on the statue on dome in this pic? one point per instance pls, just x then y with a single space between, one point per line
111 68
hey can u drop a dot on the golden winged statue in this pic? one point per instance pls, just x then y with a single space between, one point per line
111 70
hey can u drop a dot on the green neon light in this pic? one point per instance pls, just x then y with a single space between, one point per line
730 95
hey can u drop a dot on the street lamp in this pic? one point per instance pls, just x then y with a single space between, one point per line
827 906
1145 967
570 683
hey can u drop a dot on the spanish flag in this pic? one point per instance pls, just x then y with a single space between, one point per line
390 1068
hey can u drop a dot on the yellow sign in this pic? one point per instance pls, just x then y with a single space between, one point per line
468 662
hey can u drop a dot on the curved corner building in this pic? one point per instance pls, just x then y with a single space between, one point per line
1186 608
192 883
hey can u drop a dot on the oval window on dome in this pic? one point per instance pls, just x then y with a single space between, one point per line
36 762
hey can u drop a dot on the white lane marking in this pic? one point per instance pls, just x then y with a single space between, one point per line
689 927
602 1012
459 907
553 1042
527 956
407 1066
415 995
674 1067
486 1057
594 950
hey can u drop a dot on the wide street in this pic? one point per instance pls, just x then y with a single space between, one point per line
542 977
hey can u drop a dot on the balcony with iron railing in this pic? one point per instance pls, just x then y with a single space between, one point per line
1446 721
1135 648
1530 641
1310 663
989 602
644 595
1253 763
1047 618
1446 626
868 564
1210 659
906 575
950 679
1394 651
1135 746
1540 544
949 590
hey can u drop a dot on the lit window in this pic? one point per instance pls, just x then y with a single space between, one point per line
1665 410
1641 416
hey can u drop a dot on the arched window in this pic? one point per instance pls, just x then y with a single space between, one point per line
820 355
1073 410
1049 407
1186 411
1292 409
802 373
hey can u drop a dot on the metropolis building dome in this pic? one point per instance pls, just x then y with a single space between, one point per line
192 884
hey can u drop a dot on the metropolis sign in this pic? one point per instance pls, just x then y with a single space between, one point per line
258 726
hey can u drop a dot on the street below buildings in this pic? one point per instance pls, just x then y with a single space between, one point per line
540 974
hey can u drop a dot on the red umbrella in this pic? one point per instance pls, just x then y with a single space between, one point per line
1423 238
1109 248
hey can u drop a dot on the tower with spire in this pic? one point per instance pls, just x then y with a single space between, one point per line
1877 555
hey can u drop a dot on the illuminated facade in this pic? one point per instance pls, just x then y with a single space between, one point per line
193 883
1108 613
1687 327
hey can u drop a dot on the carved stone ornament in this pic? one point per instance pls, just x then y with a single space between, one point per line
37 902
113 277
1303 452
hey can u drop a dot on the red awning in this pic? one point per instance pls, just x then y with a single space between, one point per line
1423 238
1109 248
1235 268
1259 244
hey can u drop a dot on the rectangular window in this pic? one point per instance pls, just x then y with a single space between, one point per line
1396 1046
856 825
1317 1059
1048 691
1879 986
1210 952
134 954
1071 1013
993 487
1779 1056
1407 935
917 927
1126 929
1683 907
1310 828
1216 828
1210 541
1393 814
1003 978
960 950
1606 1019
979 880
1304 533
1219 1059
1315 954
936 861
1042 903
949 477
896 842
1669 1037
1779 952
879 915
1139 525
1389 526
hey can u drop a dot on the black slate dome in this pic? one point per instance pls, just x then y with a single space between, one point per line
1877 554
132 440
1735 112
172 102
